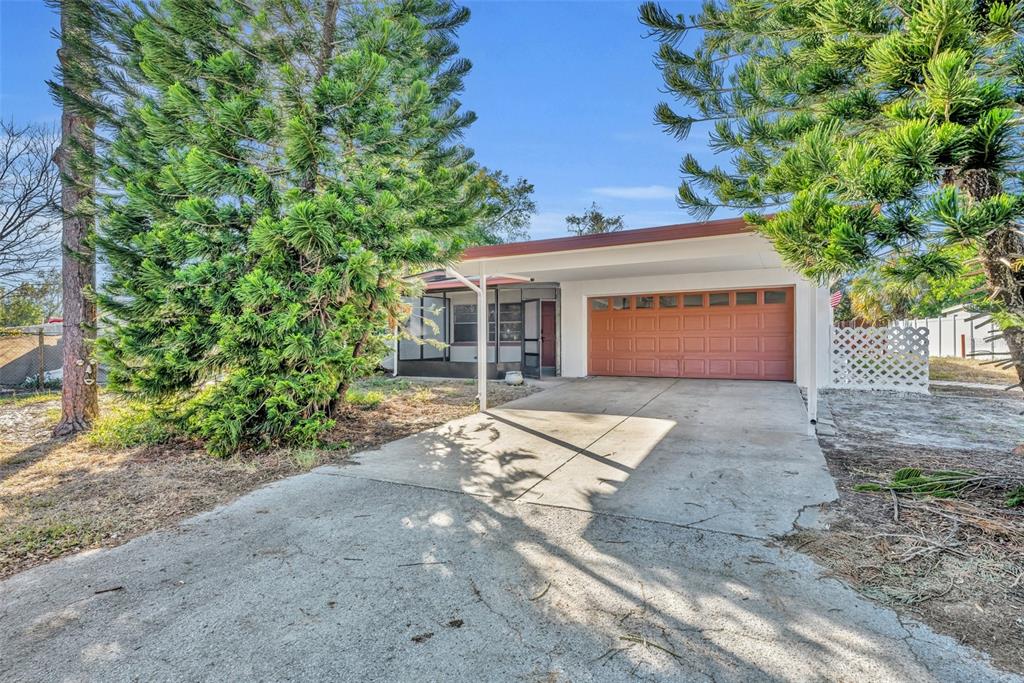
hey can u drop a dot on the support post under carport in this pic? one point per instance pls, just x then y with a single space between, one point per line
812 368
394 352
812 374
481 331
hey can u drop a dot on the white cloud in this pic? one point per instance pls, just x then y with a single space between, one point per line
637 192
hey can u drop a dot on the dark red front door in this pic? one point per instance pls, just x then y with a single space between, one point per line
547 333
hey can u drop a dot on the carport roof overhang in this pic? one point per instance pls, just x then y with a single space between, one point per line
725 245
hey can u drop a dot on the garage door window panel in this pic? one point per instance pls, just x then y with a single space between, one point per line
746 298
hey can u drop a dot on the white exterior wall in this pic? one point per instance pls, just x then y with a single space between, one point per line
574 311
732 261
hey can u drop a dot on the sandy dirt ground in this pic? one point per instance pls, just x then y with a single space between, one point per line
955 563
59 497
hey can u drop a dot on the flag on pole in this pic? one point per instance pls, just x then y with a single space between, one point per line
837 298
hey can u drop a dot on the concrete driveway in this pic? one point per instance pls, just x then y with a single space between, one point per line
388 571
730 456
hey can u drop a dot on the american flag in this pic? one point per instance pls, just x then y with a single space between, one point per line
837 298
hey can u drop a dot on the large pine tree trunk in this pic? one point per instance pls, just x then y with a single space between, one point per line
79 398
998 253
999 248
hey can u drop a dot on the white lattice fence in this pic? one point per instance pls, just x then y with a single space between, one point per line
880 358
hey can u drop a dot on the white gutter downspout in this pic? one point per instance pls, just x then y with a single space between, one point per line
481 330
812 369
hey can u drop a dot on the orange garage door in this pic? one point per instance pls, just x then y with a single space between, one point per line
740 334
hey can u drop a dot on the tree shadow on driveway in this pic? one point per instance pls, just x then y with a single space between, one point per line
328 576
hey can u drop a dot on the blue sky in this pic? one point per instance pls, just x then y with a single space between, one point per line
564 92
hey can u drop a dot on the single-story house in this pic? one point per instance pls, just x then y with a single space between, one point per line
697 300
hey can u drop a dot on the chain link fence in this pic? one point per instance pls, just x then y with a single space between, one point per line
30 357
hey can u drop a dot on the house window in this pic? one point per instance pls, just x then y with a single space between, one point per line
718 299
599 304
511 322
464 323
645 302
620 303
775 296
667 301
693 300
746 298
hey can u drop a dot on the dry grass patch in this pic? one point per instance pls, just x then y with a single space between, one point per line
969 370
27 397
410 406
59 497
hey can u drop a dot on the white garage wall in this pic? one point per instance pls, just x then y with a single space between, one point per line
574 311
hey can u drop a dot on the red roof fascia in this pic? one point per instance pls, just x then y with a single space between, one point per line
664 233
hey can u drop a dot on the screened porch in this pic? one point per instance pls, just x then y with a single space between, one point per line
521 332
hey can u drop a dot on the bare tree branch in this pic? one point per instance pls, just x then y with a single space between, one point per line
29 202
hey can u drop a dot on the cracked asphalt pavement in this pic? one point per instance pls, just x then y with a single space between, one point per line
325 577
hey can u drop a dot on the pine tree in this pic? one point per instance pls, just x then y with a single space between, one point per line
876 131
286 168
593 222
508 209
75 158
94 79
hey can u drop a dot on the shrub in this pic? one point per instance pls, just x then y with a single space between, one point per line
367 400
423 395
1016 498
305 458
131 424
